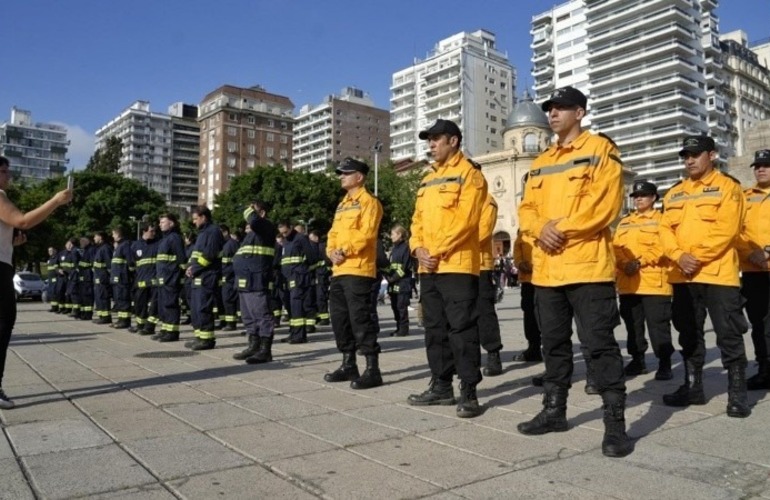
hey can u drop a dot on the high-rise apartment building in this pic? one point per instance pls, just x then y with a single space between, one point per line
653 71
35 150
748 85
185 154
464 79
146 154
241 128
341 126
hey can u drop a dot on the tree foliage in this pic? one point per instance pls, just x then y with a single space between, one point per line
311 199
106 160
100 202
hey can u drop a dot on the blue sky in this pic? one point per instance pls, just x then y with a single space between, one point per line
81 62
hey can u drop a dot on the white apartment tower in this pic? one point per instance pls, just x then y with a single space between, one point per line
345 125
464 79
146 137
652 70
35 150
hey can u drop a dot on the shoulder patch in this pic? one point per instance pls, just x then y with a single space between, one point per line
675 185
731 177
475 165
493 203
616 158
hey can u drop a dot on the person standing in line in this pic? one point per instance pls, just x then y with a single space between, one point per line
227 289
572 197
52 270
102 288
296 258
121 278
489 325
754 251
399 278
445 240
322 276
352 248
70 264
642 283
204 271
86 277
145 297
169 273
189 245
253 267
13 223
522 258
701 223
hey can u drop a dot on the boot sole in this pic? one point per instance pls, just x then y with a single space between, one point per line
540 432
438 402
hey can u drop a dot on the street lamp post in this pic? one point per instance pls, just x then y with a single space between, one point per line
377 148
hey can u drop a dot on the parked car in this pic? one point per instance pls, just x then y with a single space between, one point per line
28 285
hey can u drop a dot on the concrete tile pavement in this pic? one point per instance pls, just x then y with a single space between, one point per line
108 414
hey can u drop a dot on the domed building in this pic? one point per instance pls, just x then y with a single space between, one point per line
525 136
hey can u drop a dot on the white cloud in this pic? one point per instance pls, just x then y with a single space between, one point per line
81 146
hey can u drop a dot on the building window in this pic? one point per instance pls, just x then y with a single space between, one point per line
269 152
284 154
231 162
250 163
270 137
232 147
232 131
251 134
284 139
284 125
530 143
252 120
270 123
252 149
232 117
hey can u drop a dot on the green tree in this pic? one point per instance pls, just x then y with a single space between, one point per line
101 202
106 160
397 193
292 195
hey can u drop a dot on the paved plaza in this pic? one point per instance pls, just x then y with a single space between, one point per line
109 414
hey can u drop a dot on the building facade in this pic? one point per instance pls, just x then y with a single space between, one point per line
241 128
747 85
653 71
36 151
342 126
146 153
185 155
464 79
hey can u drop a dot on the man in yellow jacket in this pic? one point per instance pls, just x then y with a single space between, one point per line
753 246
642 282
702 219
445 240
352 248
573 195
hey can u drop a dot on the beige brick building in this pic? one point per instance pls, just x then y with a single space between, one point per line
241 128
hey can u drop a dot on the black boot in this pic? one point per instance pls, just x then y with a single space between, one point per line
691 392
531 354
440 392
664 369
553 416
537 380
348 370
250 350
616 442
591 387
468 406
371 376
737 399
761 380
637 366
264 354
494 365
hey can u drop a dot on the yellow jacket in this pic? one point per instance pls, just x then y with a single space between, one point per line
522 252
354 231
704 218
637 237
486 226
447 213
755 234
580 184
